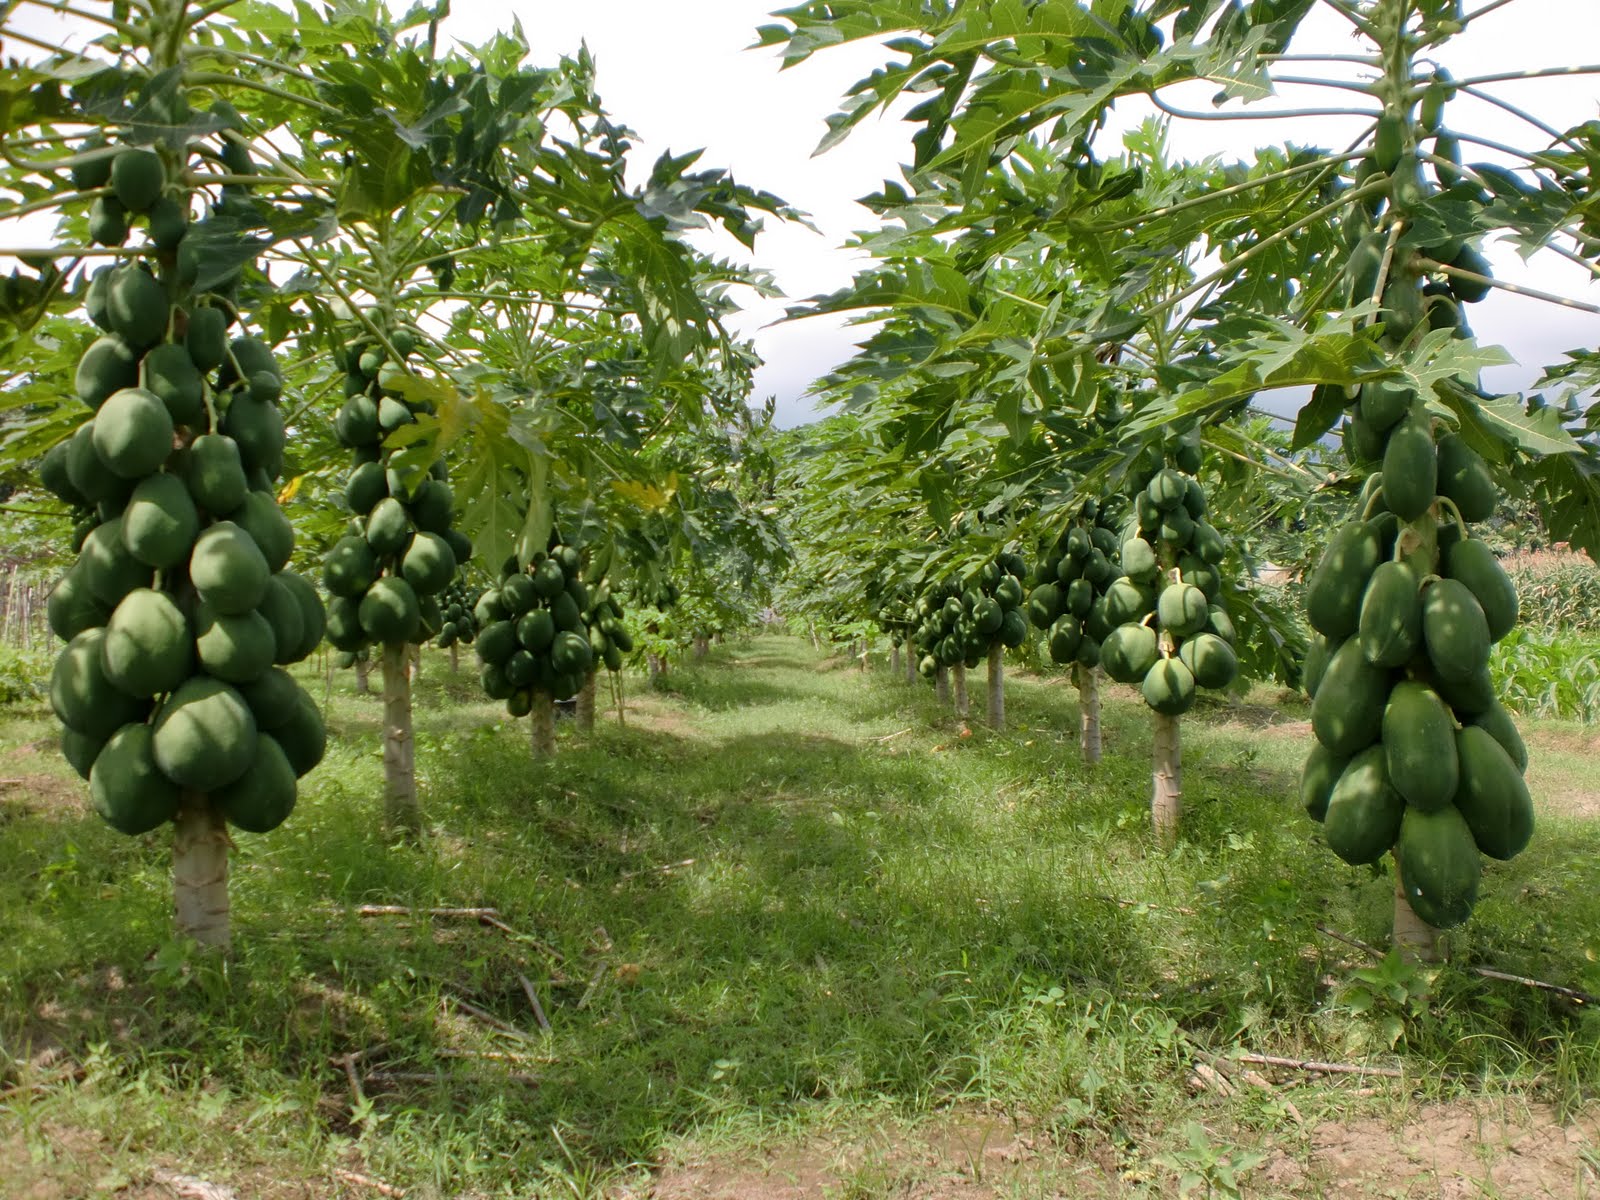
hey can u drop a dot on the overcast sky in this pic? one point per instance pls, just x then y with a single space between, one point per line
681 76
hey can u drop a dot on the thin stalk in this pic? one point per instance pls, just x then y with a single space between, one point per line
1185 114
1315 81
1536 159
213 79
1550 131
255 59
1570 256
1516 76
1321 164
54 202
204 13
1230 268
1514 288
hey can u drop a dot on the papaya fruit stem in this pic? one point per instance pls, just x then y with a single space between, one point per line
1455 513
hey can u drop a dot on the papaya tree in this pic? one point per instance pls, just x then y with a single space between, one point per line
1351 282
179 613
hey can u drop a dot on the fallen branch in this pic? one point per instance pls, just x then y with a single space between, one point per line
1573 994
484 916
1320 1068
889 737
493 1056
190 1188
383 1189
661 870
1350 941
1182 912
488 1018
533 1002
400 910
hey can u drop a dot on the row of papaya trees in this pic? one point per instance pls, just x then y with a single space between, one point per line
311 319
1065 326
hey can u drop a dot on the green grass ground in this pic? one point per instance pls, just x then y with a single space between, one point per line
791 929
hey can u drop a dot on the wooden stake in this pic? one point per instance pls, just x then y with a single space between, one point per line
958 677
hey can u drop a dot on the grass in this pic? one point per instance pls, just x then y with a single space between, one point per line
883 920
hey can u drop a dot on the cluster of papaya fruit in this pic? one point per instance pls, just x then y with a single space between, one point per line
1414 751
960 621
179 613
401 550
457 604
1071 578
1173 633
543 628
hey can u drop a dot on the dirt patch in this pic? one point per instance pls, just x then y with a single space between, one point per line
965 1157
1445 1152
1571 802
41 795
1563 741
1258 724
652 712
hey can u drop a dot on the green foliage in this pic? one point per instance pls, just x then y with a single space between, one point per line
1543 673
24 675
740 998
1559 597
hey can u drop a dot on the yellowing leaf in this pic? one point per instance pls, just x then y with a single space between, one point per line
290 490
648 496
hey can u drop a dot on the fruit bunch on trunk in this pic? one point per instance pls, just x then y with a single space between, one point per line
1171 633
533 638
1414 751
1072 582
179 613
401 549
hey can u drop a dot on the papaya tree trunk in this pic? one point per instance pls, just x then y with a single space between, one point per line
997 686
401 812
542 725
455 659
200 872
657 665
959 677
816 642
414 662
585 711
861 658
1413 937
894 661
1166 797
1089 713
363 685
941 684
701 646
911 662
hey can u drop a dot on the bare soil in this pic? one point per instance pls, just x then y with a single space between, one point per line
1440 1152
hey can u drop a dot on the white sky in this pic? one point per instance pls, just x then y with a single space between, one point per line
681 76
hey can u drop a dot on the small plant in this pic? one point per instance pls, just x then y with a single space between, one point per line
1394 993
1204 1165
